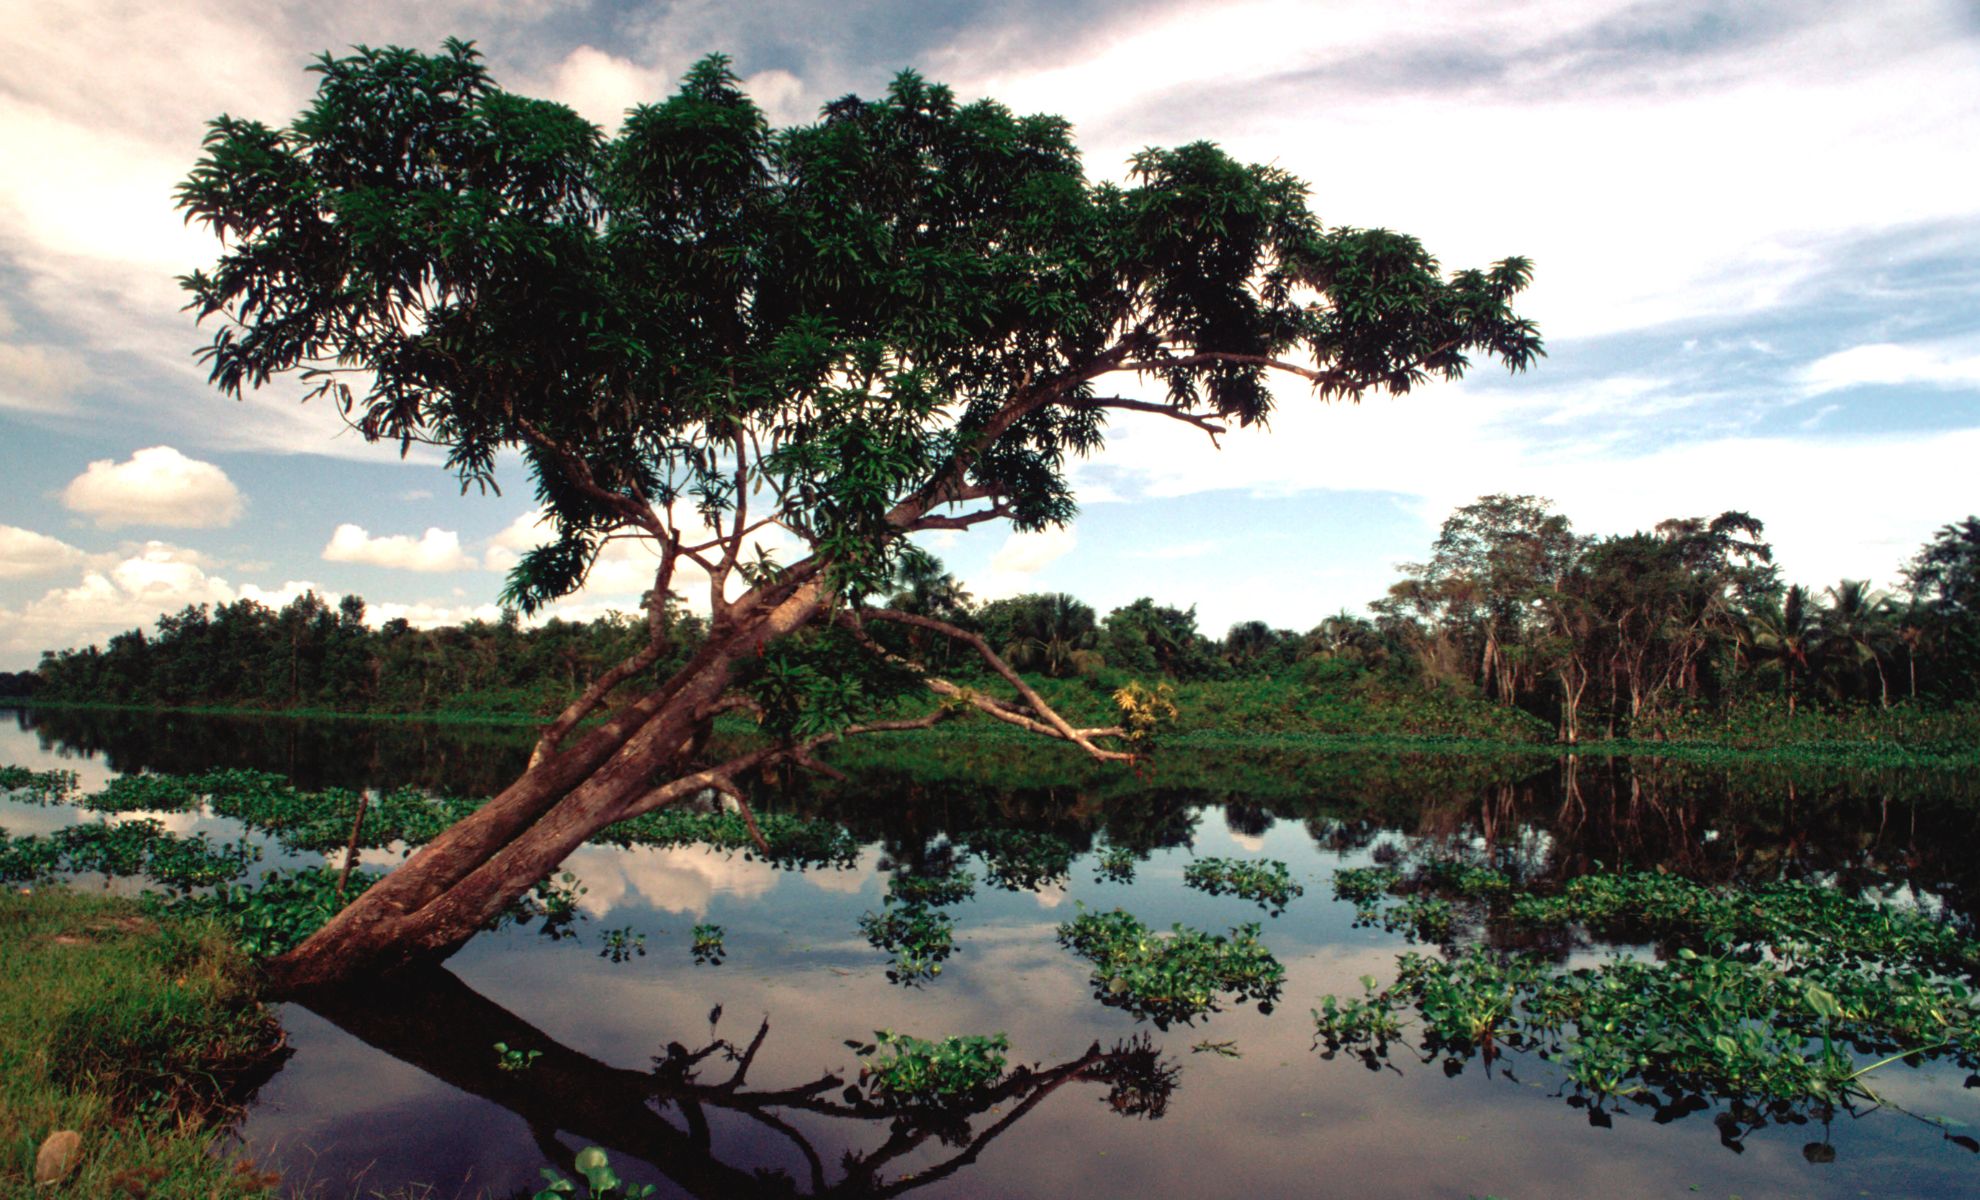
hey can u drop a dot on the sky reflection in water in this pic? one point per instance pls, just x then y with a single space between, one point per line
397 1086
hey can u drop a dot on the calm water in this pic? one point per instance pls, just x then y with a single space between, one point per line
396 1086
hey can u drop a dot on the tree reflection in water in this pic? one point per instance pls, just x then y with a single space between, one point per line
435 1022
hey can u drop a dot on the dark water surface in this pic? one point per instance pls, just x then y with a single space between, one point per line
730 1079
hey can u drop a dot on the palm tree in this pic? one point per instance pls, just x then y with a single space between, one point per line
1856 625
1051 632
1787 634
923 588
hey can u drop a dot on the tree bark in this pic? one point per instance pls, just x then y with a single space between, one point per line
466 877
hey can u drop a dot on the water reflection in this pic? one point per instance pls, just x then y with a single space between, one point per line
661 1116
421 1095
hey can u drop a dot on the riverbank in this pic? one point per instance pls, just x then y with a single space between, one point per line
1274 715
138 1033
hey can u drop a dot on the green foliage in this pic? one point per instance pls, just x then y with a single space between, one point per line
954 887
278 911
622 945
126 848
145 792
794 842
1022 860
600 1181
1794 995
188 863
707 945
1266 881
28 859
919 937
1116 865
515 1058
907 1072
1171 977
1363 886
1145 710
1793 922
24 786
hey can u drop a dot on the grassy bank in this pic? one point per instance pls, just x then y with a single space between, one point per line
1371 714
135 1032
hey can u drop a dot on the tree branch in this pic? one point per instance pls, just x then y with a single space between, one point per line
1049 722
656 645
579 473
1161 410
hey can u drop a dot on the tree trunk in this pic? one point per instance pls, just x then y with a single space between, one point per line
466 877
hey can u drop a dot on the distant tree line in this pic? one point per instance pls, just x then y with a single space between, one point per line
308 654
1601 635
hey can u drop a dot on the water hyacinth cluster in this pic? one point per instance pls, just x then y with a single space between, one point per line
36 787
1265 881
901 1071
1022 860
1176 976
126 848
911 926
1774 999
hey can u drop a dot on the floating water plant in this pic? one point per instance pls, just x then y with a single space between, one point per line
622 945
1022 860
708 946
1781 998
1176 976
1116 865
600 1181
25 786
1265 881
515 1058
278 911
794 842
903 1071
951 888
919 937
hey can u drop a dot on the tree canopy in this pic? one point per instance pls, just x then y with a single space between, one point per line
700 331
910 300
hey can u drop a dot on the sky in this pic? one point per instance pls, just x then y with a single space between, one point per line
1755 229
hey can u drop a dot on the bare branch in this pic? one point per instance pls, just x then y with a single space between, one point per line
1048 722
1161 410
960 520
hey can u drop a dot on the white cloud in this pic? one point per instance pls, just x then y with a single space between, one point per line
676 879
155 486
1938 364
426 615
1708 181
38 378
1029 553
602 86
436 550
25 553
129 594
1017 562
1196 549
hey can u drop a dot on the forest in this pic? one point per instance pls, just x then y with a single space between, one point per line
1603 636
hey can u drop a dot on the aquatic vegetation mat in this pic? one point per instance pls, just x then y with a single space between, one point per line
1266 881
1176 976
1773 1001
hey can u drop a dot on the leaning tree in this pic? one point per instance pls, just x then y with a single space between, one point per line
702 332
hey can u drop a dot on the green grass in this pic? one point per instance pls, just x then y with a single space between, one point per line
137 1033
1372 715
